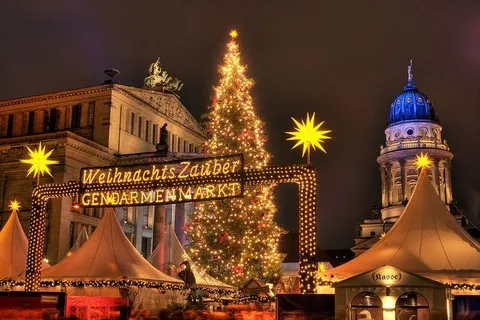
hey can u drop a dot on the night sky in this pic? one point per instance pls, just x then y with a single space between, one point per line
345 60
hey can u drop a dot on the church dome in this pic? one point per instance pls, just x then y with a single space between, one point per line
411 105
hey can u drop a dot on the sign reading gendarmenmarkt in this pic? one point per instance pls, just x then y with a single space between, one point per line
162 183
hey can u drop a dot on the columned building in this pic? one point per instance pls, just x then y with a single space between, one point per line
96 126
412 128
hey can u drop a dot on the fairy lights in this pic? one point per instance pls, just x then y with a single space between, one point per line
303 176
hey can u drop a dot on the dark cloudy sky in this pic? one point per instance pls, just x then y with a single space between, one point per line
345 60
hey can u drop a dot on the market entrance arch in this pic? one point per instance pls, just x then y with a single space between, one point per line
162 183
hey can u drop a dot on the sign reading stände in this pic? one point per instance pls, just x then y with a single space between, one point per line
125 185
387 276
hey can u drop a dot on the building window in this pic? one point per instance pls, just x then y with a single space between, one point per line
190 148
145 217
178 144
132 122
173 143
139 126
146 247
155 133
53 121
184 146
91 113
196 149
147 130
76 116
10 122
31 122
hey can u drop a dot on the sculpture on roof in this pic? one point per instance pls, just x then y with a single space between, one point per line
160 79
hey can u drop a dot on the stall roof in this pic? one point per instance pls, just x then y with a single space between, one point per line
108 254
13 249
175 254
425 240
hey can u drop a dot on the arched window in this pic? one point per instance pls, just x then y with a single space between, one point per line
412 306
366 305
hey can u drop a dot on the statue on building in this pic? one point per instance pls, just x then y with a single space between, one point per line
162 145
159 79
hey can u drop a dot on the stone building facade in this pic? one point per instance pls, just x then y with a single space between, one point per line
96 126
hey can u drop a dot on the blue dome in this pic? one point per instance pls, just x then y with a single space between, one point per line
411 105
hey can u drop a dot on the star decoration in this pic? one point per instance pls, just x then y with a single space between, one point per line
322 267
14 206
308 134
39 161
233 34
423 161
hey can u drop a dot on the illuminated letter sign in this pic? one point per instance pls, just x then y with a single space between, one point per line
162 183
387 276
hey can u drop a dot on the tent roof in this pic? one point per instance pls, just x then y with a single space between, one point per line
81 239
107 255
13 248
175 254
426 240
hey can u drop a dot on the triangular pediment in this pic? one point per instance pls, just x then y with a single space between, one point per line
165 103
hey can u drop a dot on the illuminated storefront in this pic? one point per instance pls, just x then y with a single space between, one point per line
390 293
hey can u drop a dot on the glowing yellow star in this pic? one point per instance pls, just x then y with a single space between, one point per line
423 161
39 161
233 34
308 135
14 206
322 267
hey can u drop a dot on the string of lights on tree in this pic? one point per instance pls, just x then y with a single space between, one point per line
237 240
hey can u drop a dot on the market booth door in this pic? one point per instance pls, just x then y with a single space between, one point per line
389 293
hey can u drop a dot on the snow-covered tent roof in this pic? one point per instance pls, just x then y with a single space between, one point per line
81 239
13 249
107 255
426 240
175 254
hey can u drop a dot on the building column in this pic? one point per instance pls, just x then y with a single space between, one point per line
403 178
180 222
3 181
436 176
159 233
383 177
448 181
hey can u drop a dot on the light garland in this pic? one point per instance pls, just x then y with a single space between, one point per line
304 176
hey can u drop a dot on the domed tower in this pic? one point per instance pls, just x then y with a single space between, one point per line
412 128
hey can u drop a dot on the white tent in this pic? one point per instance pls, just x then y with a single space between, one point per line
13 249
175 254
107 255
426 240
81 239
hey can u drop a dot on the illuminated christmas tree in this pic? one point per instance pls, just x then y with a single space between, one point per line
236 239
